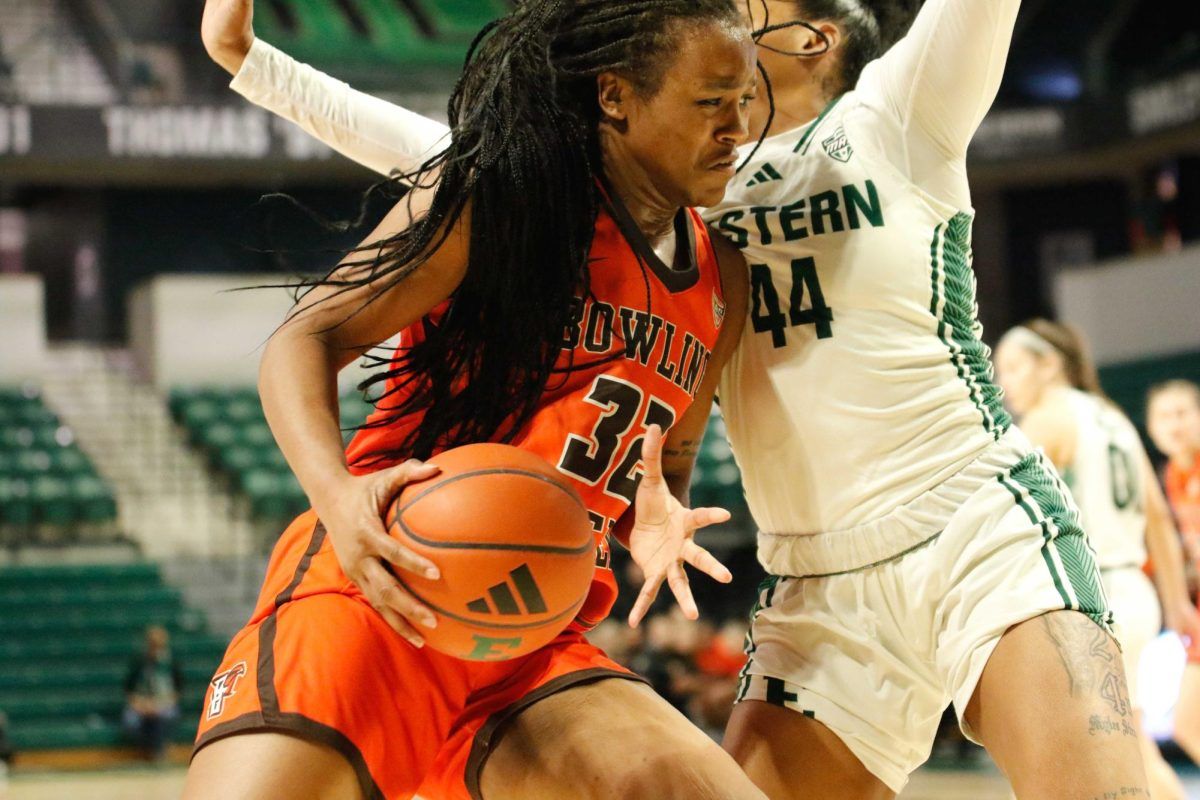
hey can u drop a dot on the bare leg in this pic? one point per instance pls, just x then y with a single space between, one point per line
252 766
1187 713
613 738
1053 711
789 755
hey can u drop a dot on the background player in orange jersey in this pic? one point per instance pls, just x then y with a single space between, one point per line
553 292
1173 419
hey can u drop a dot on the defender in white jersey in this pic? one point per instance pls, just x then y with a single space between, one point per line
922 552
1050 382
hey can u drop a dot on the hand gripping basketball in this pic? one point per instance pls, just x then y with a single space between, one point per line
661 540
354 521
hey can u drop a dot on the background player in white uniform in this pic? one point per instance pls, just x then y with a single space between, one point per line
923 552
1051 384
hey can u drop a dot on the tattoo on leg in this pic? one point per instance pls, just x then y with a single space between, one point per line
1098 724
1091 665
1124 791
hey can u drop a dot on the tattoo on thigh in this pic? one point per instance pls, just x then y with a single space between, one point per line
1098 724
1124 791
1092 666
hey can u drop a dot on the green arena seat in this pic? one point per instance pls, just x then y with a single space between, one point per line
390 26
231 430
256 434
71 461
67 634
16 501
243 410
17 437
461 19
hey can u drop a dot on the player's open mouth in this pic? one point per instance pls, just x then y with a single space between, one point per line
725 165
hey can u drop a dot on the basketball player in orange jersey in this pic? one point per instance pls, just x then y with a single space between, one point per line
921 552
551 291
1173 419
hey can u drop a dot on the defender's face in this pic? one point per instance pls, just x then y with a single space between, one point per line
1173 420
1020 374
685 136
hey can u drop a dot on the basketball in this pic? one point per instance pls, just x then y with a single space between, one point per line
514 545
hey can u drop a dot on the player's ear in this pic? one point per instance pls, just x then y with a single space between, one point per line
824 39
613 94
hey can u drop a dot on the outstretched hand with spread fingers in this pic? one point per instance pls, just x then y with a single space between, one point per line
661 541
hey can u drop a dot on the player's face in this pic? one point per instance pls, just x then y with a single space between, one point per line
1021 375
1173 420
685 136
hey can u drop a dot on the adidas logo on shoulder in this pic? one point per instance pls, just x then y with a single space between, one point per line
765 175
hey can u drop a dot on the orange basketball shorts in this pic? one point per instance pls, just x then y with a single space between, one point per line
316 661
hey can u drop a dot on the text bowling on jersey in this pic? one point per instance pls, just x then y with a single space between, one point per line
647 338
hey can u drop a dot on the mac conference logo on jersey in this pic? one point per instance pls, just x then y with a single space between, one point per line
838 146
718 310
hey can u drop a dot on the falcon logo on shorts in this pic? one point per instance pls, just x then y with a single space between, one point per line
838 146
224 686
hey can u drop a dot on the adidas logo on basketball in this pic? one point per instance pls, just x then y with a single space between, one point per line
505 602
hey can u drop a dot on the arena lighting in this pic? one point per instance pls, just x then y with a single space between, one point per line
1159 676
1053 83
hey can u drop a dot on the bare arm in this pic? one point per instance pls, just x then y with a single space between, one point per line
298 386
379 135
1166 553
327 330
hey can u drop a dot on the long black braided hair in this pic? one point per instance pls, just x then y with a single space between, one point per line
525 153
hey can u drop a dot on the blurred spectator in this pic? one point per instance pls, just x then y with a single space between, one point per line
1173 420
6 752
1156 227
152 690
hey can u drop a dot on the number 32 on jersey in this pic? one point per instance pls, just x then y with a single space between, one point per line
591 458
766 314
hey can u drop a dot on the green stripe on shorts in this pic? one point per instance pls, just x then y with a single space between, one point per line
1065 548
766 593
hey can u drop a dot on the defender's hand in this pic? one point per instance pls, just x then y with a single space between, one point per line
661 539
352 512
227 31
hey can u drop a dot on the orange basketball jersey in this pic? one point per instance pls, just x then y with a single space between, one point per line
1183 492
662 325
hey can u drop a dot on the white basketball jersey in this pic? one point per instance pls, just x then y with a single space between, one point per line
1105 479
861 381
